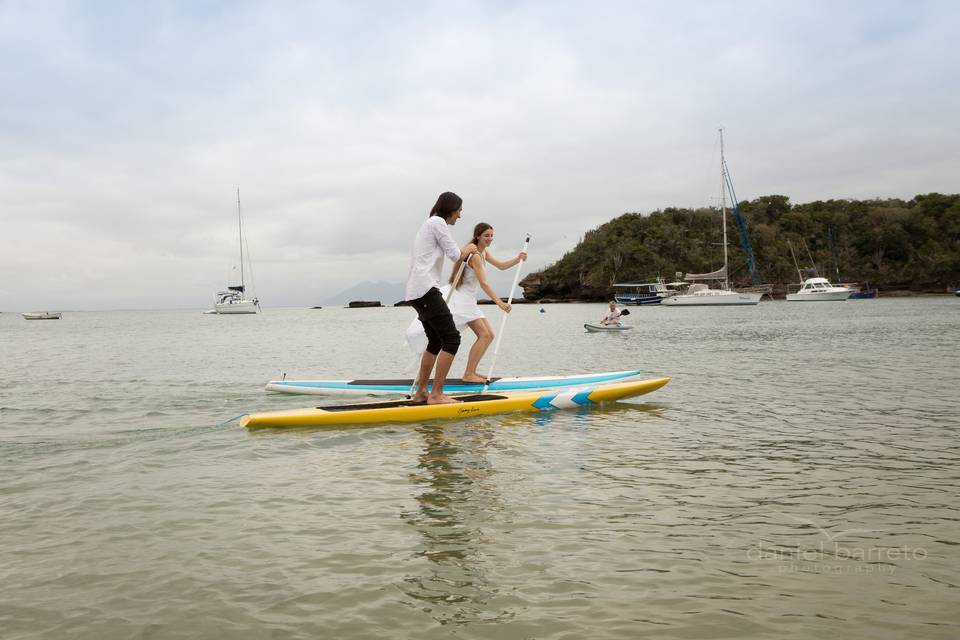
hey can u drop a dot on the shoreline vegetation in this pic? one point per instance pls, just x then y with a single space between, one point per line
901 247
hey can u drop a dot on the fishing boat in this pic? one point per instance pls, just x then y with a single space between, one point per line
642 293
468 406
402 386
815 289
819 290
234 300
699 294
46 315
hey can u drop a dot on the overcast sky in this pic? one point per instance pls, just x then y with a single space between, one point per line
126 128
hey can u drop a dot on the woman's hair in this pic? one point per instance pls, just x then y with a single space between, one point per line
477 232
447 203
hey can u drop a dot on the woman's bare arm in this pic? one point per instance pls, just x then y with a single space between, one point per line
504 265
477 265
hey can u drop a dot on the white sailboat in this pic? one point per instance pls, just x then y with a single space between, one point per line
700 294
234 300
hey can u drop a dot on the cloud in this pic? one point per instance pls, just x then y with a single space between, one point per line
127 131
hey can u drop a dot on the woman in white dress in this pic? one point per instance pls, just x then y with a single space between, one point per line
463 303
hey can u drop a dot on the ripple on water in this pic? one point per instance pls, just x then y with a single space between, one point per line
796 479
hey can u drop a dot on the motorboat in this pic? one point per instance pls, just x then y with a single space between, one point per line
856 293
819 290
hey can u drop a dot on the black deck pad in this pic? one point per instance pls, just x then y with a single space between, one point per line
390 404
408 382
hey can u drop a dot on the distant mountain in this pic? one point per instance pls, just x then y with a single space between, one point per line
386 292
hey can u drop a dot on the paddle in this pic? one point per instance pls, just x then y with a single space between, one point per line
503 321
623 312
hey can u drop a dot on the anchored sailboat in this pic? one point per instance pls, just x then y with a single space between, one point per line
700 294
234 299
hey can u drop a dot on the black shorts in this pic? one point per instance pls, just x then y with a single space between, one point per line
437 321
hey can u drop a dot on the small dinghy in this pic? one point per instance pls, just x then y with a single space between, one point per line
46 315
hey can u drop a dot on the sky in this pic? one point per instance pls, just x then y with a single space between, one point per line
127 128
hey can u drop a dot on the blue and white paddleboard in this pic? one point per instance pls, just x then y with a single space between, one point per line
453 385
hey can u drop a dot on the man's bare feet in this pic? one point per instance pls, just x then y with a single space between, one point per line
440 399
419 397
474 379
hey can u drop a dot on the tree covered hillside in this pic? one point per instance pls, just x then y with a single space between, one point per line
892 244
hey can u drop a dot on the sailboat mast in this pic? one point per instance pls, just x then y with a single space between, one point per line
240 228
795 263
723 214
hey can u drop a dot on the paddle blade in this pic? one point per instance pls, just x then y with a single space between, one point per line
625 312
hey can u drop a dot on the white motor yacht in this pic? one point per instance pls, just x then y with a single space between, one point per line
819 290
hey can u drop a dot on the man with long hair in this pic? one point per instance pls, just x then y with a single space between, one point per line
432 242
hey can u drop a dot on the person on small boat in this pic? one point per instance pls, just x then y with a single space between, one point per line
612 317
432 242
463 303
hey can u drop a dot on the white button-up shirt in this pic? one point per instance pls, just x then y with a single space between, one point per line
433 241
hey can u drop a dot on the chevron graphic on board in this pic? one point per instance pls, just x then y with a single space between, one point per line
564 400
543 402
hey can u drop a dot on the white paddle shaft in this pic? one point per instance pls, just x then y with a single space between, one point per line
503 320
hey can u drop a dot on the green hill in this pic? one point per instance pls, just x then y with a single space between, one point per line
893 244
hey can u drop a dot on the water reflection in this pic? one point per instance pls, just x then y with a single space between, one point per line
460 508
584 417
457 497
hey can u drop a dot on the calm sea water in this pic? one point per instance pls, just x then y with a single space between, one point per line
798 478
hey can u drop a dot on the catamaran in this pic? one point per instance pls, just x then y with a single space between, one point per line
233 300
699 294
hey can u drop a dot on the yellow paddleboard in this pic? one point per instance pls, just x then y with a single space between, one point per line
470 405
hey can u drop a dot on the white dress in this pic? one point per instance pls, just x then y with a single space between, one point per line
463 306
